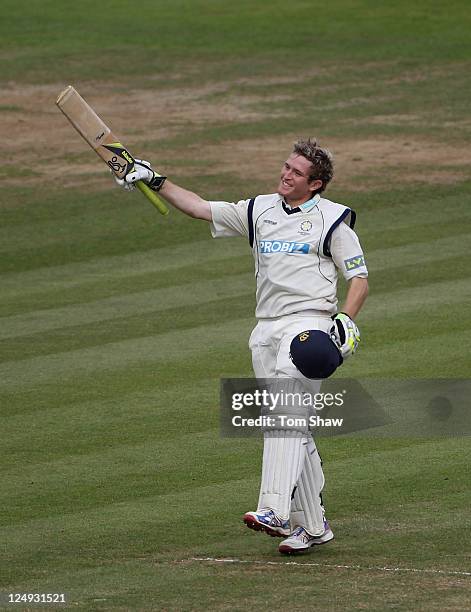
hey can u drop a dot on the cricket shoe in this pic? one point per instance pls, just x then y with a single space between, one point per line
300 540
268 521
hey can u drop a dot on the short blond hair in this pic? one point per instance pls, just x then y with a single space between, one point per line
322 164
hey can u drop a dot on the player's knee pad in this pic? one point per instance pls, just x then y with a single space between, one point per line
314 354
288 410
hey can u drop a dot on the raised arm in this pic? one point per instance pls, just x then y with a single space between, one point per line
188 202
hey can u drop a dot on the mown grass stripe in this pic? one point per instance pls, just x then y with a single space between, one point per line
147 302
107 384
153 505
171 258
155 456
74 337
121 266
106 288
83 425
418 253
437 355
118 354
120 306
123 304
393 302
155 349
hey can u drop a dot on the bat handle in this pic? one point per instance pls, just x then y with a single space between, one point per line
153 197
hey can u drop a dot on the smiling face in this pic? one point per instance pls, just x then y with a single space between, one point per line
294 185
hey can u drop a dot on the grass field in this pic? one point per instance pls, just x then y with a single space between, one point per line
117 324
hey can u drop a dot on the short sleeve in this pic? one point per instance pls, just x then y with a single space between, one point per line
347 252
229 219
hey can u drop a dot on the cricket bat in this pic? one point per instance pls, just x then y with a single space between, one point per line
99 136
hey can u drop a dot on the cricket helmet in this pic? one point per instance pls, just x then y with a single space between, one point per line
314 353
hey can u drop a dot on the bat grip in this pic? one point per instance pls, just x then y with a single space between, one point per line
153 197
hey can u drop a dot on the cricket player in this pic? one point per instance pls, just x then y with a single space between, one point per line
300 242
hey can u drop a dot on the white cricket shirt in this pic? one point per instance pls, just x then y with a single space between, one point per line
297 252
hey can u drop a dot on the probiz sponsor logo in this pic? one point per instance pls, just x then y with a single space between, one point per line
283 246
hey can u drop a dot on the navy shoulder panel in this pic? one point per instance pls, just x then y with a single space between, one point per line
343 216
250 221
353 218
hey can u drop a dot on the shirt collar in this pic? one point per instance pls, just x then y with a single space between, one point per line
306 207
310 204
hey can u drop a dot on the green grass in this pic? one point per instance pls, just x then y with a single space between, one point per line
116 324
51 39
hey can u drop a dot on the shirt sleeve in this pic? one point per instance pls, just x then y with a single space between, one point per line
347 252
229 219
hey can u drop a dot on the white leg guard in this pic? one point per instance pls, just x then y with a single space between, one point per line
284 454
306 509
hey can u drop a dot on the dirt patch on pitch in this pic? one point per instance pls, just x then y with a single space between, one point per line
359 163
43 147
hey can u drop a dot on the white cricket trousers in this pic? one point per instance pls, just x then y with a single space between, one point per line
292 477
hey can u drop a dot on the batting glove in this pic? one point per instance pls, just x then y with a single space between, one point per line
142 171
345 334
122 183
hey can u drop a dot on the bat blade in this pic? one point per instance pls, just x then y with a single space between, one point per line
99 136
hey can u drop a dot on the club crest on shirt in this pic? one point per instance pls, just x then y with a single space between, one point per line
305 227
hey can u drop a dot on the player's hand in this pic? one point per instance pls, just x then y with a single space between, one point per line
143 172
122 183
345 334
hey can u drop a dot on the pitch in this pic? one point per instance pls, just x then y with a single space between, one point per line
117 324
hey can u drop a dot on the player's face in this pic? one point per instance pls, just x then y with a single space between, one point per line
294 184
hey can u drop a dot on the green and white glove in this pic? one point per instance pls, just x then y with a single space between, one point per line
345 334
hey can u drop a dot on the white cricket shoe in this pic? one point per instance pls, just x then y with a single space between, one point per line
300 540
268 521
